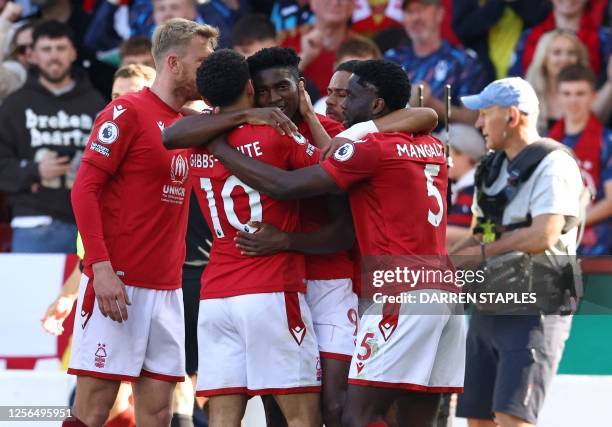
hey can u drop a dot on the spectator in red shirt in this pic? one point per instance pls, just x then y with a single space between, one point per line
317 44
372 16
591 142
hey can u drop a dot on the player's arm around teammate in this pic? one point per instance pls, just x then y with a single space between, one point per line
374 171
275 182
195 130
335 236
310 181
418 120
241 296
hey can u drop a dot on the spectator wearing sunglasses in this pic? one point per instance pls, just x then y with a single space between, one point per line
16 59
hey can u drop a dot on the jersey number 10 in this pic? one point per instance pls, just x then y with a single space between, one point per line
228 205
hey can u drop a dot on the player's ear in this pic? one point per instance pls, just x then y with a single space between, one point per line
173 63
378 106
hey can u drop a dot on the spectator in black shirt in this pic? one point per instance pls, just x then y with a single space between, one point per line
45 126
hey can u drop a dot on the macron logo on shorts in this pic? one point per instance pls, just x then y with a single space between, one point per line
298 333
297 328
387 326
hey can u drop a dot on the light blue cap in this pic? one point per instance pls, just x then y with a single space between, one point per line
508 92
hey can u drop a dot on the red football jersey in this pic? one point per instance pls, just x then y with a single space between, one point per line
397 187
229 205
332 127
370 17
314 214
143 207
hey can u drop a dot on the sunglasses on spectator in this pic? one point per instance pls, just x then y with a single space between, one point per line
22 49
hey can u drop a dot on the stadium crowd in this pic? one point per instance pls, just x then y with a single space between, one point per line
63 61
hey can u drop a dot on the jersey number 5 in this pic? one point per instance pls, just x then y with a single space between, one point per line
431 171
228 204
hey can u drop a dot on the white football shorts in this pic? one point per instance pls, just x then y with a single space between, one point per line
151 342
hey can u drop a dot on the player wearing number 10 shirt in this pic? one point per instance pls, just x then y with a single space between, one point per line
230 205
397 186
255 331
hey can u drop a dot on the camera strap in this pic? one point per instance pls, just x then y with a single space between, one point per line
519 170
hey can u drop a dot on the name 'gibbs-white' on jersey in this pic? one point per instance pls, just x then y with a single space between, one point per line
144 214
229 205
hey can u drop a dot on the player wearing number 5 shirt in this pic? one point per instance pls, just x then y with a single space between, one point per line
255 331
397 187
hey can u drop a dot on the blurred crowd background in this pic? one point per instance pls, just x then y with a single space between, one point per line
50 95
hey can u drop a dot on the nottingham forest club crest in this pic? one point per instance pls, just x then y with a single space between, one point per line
179 169
100 356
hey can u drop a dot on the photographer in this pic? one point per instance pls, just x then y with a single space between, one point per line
512 358
45 126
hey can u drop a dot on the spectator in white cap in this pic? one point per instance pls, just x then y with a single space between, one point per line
466 149
511 359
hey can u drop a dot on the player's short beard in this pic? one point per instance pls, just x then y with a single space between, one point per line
356 117
194 95
186 86
188 92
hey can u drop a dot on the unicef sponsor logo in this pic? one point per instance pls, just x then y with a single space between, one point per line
174 191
